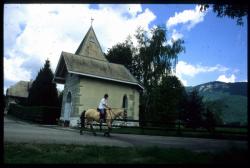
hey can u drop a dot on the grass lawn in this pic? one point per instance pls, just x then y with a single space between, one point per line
18 153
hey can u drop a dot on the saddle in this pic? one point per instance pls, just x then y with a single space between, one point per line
102 116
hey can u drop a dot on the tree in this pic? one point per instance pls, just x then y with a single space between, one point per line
151 62
231 10
155 60
166 100
209 121
194 108
121 53
43 91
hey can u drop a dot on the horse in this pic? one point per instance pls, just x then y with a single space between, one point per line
93 115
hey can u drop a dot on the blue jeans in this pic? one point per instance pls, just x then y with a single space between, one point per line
102 111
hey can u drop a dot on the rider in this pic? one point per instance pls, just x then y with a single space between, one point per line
103 105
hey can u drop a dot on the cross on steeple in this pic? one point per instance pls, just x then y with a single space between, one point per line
92 20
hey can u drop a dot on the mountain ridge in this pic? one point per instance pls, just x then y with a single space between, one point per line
232 95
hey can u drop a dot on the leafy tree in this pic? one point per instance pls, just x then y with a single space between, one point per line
194 108
166 100
43 91
156 57
155 60
121 53
231 10
152 59
151 62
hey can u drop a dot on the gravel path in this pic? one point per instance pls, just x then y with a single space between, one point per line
18 131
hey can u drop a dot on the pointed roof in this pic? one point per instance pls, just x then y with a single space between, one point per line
89 61
93 68
90 46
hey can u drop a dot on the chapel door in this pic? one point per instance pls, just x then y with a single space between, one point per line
67 109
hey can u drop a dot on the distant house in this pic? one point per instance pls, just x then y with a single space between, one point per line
87 76
18 93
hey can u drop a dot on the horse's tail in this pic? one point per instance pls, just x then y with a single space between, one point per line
83 119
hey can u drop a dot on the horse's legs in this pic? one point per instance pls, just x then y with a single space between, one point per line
91 126
101 124
82 126
109 130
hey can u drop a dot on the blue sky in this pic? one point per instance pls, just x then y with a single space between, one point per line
216 48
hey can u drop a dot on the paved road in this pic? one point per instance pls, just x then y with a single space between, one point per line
18 131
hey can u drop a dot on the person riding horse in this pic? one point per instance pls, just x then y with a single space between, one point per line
99 115
103 105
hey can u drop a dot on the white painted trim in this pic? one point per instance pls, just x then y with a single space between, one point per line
117 80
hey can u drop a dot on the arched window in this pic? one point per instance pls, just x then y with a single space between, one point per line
68 98
125 105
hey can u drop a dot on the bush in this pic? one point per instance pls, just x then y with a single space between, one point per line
39 114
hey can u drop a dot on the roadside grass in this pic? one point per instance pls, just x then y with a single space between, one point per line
24 153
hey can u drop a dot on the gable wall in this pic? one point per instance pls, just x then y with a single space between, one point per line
71 85
91 47
92 90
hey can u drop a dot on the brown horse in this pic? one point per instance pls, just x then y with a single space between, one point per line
93 115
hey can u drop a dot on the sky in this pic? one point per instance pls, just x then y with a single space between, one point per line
215 48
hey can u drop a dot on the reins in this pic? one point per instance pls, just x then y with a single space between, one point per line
113 113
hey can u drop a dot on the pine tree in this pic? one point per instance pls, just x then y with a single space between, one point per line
43 91
194 109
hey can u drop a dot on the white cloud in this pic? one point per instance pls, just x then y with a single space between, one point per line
185 69
188 17
183 81
130 9
223 78
176 35
13 70
43 31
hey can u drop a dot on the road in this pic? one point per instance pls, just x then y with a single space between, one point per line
19 131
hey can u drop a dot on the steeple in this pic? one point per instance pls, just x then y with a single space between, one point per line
90 46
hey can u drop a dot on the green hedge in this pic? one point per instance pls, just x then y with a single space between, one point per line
39 114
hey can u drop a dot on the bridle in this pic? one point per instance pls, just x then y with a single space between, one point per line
110 111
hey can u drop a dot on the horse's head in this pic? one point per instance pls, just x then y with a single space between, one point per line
119 112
